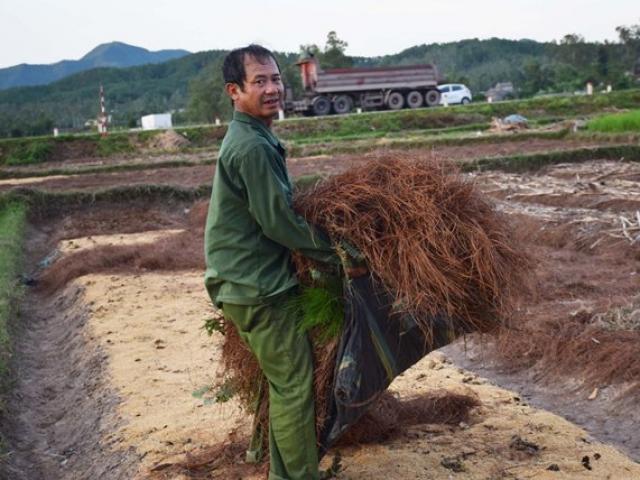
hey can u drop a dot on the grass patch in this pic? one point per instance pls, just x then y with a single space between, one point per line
21 151
382 134
418 141
30 153
12 223
203 136
122 167
616 123
114 145
348 125
619 137
43 203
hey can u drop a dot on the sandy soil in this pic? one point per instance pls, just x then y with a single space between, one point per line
85 243
151 327
487 447
603 411
156 355
30 180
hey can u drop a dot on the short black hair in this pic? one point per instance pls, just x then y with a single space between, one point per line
233 66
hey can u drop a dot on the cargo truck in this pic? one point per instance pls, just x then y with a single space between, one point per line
341 90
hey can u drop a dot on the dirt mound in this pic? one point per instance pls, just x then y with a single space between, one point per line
73 150
168 140
598 348
176 252
391 415
111 218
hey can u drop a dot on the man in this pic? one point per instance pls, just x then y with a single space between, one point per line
250 233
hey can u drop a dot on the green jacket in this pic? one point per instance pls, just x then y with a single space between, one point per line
251 227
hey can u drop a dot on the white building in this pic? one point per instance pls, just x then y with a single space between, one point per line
156 121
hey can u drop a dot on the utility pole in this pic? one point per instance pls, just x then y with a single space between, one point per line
103 119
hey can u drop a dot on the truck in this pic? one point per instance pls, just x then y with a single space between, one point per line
341 90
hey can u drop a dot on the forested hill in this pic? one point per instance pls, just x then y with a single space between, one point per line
192 84
470 58
481 64
114 54
130 92
534 67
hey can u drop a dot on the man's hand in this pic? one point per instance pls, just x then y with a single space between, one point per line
353 262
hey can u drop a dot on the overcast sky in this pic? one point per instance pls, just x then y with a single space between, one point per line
46 31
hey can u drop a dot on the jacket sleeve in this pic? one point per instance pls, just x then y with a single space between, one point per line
271 208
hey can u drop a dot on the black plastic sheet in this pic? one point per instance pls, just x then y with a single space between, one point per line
376 346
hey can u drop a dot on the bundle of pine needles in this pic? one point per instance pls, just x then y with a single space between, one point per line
434 242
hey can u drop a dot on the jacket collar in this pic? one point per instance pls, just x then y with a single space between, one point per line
260 126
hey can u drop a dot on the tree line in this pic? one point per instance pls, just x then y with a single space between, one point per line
192 87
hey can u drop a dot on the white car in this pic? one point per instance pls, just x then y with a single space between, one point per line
451 93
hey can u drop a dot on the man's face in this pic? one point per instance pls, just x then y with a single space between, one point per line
262 93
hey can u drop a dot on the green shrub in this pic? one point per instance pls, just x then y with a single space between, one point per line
320 308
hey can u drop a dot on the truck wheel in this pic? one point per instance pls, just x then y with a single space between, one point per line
395 101
414 99
432 98
342 104
321 105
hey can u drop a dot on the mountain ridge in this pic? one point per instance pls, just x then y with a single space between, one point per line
112 54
